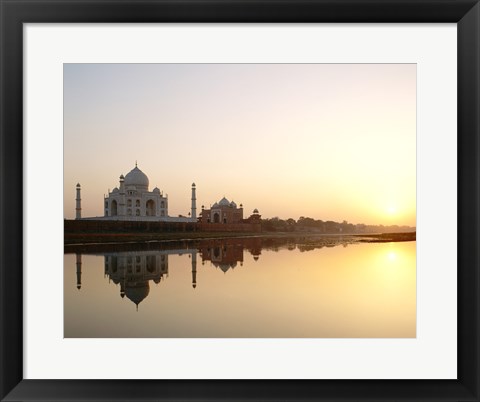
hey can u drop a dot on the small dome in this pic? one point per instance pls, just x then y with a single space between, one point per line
136 178
215 205
223 266
78 185
122 177
233 205
224 202
255 211
115 190
193 184
156 190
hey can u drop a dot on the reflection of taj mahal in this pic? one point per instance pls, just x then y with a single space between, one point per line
133 271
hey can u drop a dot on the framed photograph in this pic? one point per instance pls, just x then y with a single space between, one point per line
222 200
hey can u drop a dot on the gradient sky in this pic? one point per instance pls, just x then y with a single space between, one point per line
328 141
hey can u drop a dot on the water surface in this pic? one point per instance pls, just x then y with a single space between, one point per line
242 288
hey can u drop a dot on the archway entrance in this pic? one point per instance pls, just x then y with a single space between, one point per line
113 208
150 208
216 218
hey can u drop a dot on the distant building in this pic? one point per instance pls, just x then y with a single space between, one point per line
226 212
255 217
222 211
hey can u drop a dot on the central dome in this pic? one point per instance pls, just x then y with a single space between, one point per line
224 202
136 178
136 293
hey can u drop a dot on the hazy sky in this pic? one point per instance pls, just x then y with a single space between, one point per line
328 141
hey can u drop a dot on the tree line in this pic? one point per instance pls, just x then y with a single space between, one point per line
307 224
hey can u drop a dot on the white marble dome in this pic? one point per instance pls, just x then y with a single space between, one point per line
136 178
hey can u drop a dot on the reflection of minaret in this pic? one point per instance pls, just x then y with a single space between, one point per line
194 269
194 203
79 271
78 208
122 286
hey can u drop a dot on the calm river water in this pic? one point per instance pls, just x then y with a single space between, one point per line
238 288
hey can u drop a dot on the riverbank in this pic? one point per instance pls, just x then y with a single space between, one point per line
108 238
86 238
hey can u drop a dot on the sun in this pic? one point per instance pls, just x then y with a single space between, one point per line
392 210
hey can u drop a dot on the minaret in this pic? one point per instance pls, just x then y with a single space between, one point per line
194 203
194 269
79 271
122 184
78 208
121 205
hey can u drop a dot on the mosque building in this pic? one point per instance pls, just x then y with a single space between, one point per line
222 211
132 200
227 212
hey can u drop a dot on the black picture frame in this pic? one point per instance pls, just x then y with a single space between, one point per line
465 13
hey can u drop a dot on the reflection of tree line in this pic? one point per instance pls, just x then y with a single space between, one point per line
132 271
249 243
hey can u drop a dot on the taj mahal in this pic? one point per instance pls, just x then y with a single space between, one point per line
132 200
